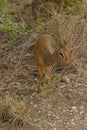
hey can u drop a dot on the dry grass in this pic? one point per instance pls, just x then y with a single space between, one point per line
13 111
72 29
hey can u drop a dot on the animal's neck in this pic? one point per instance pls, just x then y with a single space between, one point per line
52 59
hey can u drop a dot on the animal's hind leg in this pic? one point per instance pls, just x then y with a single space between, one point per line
40 74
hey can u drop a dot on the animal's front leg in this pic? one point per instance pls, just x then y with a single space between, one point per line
47 75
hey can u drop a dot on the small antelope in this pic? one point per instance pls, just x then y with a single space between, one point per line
46 56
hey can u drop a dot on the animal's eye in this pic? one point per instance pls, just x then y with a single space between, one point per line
61 55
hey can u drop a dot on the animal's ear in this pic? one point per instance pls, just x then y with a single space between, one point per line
62 46
63 43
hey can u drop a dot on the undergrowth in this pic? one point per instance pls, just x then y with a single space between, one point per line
14 112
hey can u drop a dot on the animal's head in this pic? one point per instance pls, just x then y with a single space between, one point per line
63 53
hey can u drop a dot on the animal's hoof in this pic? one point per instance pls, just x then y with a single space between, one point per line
39 90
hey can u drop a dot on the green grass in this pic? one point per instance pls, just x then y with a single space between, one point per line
43 123
4 112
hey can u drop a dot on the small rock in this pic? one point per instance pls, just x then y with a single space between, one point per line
31 103
35 79
62 86
82 113
82 107
74 109
35 106
65 79
49 114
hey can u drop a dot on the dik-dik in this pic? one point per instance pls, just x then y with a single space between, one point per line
46 56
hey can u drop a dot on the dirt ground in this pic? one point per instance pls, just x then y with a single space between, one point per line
62 105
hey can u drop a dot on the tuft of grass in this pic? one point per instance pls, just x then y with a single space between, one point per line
22 92
14 112
67 72
43 123
56 78
5 106
19 113
4 113
55 98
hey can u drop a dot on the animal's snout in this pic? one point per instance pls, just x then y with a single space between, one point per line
67 60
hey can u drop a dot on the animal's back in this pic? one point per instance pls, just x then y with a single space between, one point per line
45 46
46 42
